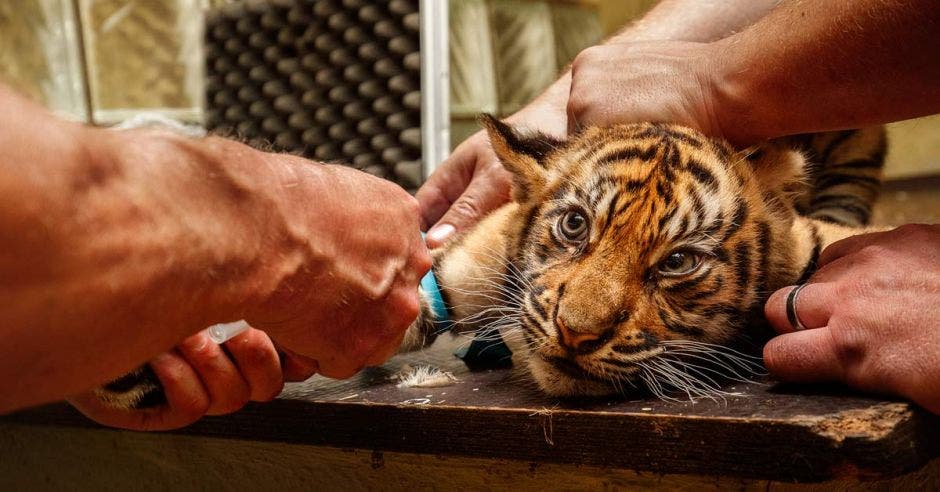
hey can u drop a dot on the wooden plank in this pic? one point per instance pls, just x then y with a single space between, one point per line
48 458
769 432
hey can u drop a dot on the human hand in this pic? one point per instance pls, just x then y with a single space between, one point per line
662 81
468 184
471 182
872 317
350 259
201 378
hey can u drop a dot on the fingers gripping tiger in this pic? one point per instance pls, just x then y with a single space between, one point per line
638 256
641 255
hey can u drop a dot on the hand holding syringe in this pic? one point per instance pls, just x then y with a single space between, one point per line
224 332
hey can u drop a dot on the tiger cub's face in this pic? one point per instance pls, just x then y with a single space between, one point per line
639 246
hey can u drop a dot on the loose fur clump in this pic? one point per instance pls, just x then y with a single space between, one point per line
424 377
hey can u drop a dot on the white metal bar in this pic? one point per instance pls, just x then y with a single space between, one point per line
435 88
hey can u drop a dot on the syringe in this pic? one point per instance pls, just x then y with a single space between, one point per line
224 332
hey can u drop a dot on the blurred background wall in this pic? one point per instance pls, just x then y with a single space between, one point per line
104 60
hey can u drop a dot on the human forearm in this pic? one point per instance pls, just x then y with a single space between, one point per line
115 244
852 64
674 20
694 20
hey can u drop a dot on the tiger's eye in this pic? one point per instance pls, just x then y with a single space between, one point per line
573 226
679 263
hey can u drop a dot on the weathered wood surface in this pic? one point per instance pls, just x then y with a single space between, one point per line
767 433
38 458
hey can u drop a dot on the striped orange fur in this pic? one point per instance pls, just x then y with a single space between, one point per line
640 255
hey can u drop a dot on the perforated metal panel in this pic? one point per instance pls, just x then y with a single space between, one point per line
333 80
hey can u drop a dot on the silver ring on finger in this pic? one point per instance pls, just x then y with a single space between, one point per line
792 315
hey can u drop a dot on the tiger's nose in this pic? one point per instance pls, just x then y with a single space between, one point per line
581 342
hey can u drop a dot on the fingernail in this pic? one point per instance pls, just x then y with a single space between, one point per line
439 233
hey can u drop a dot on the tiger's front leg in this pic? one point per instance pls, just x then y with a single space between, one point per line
470 276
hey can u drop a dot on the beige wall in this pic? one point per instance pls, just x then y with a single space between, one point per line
914 148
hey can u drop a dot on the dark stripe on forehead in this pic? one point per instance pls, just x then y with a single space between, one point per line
737 220
556 211
665 133
698 208
611 211
664 191
587 147
632 185
671 160
684 225
701 174
666 217
581 195
604 182
721 254
625 154
721 150
563 190
599 189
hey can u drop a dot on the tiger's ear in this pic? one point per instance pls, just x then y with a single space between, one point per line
780 171
524 155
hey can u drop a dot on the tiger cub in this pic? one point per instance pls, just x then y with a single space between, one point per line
637 255
641 255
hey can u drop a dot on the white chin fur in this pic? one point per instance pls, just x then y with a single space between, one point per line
555 383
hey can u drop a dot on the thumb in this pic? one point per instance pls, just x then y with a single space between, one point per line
486 192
